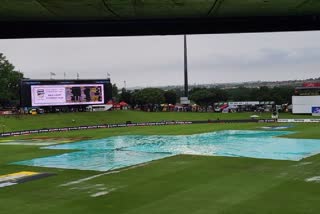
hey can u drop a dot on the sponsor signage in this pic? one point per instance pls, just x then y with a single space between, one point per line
64 129
20 177
243 103
316 111
184 101
298 120
60 95
253 103
311 84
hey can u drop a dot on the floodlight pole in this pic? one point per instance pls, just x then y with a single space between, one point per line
186 88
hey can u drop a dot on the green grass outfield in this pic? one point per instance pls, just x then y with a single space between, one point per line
25 122
180 184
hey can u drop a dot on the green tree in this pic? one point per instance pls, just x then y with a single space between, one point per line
170 97
134 96
206 97
219 95
125 96
240 94
282 95
203 97
115 91
195 89
9 81
149 96
261 94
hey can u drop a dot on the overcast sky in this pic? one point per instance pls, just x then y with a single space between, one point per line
158 60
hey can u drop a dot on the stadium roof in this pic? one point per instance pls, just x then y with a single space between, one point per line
65 18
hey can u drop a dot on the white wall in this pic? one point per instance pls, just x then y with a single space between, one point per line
304 104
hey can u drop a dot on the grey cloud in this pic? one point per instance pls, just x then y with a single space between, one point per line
153 61
260 59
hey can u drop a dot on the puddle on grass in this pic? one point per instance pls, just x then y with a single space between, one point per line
123 151
315 179
276 127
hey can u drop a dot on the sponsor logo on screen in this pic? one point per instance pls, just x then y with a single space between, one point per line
60 95
316 111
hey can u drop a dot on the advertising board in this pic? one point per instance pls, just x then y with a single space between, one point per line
184 100
243 103
298 120
48 93
311 84
316 110
73 94
21 177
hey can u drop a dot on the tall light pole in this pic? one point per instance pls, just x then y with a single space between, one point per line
186 88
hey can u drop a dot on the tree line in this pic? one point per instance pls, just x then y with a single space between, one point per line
9 83
205 96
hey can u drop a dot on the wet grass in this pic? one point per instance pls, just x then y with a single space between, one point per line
300 130
180 184
27 122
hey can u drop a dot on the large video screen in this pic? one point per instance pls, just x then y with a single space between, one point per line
60 95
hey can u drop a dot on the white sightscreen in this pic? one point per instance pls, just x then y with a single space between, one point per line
304 104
